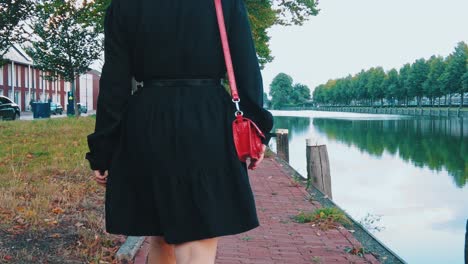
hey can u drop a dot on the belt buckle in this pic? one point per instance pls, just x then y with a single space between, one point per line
139 84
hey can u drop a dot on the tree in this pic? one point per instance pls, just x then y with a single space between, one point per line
465 83
263 14
280 90
391 85
432 86
374 85
319 94
431 78
300 94
417 77
346 90
65 44
12 15
361 83
404 83
456 68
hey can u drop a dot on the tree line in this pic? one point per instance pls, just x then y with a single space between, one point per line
421 82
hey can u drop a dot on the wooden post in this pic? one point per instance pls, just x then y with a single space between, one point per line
282 144
318 167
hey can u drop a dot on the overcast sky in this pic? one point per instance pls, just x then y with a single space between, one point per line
348 36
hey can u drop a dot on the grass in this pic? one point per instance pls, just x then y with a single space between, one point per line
316 259
246 238
358 251
325 218
51 209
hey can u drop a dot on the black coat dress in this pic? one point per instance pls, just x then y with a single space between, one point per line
175 39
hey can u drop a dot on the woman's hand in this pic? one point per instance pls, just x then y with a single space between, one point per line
255 162
101 179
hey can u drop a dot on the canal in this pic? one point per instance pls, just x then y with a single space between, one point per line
409 174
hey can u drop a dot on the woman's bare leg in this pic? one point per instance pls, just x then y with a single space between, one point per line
160 252
197 252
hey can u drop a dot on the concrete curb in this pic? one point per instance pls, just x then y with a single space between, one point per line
129 248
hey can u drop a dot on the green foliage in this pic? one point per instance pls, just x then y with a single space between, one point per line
374 85
64 44
262 17
284 93
392 83
404 82
280 89
96 13
300 94
433 87
304 217
417 77
246 238
263 14
465 81
326 215
12 13
431 78
455 70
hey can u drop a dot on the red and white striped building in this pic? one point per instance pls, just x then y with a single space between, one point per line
21 82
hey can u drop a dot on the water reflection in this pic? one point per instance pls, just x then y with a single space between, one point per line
434 143
299 125
410 171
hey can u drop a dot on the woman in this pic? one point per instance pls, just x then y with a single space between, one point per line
165 153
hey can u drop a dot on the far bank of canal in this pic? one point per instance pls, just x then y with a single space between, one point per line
413 171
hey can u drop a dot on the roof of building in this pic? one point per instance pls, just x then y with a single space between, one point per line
95 72
16 54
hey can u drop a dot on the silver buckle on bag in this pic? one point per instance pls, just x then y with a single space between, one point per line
236 102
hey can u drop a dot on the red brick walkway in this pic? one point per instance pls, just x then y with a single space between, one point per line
278 239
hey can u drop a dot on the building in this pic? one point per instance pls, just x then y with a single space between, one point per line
21 82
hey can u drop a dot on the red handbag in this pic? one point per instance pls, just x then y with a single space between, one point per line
247 135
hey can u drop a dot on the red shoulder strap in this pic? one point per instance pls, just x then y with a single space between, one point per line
227 53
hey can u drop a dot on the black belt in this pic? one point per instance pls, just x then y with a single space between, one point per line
180 82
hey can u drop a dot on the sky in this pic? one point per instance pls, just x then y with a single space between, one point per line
348 36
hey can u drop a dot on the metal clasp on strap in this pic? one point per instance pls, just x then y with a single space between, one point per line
236 102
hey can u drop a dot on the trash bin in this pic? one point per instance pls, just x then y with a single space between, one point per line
41 110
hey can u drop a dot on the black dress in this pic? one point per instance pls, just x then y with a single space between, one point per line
172 166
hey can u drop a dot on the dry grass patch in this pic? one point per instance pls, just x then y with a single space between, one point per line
51 209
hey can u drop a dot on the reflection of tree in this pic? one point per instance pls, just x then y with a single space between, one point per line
435 143
296 125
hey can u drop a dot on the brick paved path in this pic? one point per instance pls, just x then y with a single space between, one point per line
278 240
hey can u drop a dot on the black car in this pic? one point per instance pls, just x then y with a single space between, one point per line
9 110
56 109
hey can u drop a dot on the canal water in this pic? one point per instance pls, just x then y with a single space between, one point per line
409 173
